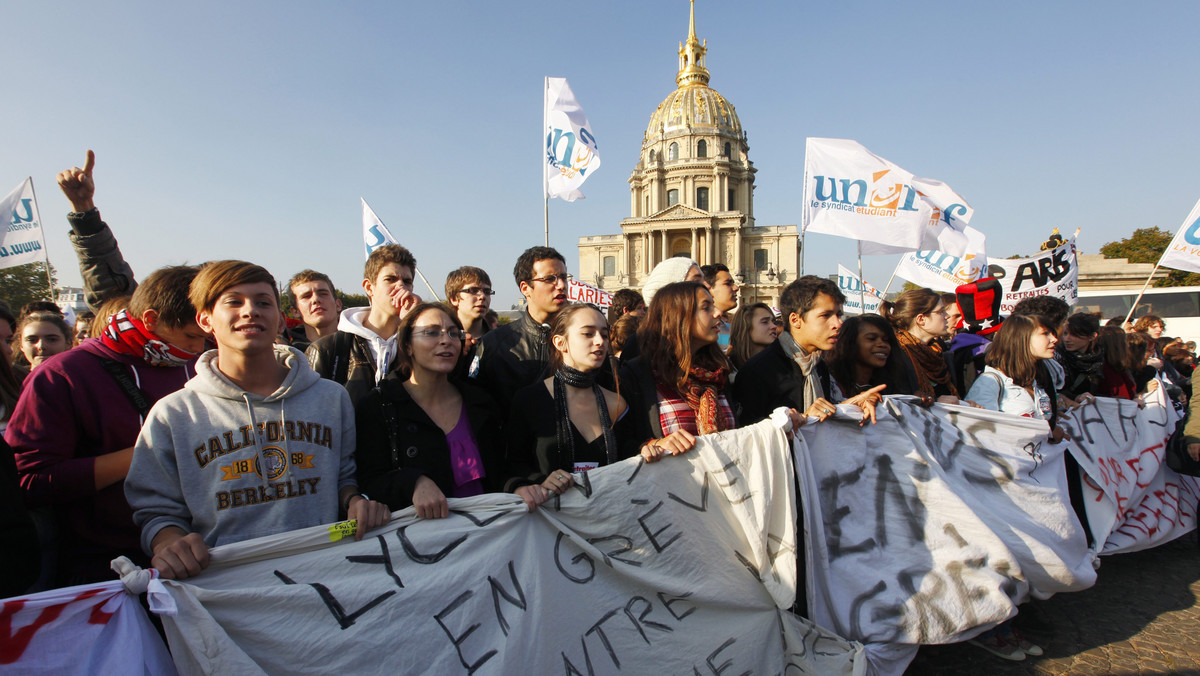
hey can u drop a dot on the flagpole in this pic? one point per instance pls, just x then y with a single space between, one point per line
435 296
545 187
45 240
892 278
1142 292
862 282
803 248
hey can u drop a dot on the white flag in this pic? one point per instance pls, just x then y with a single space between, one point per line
1184 252
1050 273
941 271
375 233
22 241
851 192
860 296
571 152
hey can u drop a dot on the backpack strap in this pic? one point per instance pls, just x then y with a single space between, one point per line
134 393
342 342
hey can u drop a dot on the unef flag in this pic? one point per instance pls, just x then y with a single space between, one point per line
375 233
941 271
860 296
851 192
22 240
1184 252
571 152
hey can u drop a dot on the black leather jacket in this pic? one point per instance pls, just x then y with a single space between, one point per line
326 356
512 357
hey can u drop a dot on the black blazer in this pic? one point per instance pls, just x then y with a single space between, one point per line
771 379
422 449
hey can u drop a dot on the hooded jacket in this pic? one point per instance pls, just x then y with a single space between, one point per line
232 465
370 356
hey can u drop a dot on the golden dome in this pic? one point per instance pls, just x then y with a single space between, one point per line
694 106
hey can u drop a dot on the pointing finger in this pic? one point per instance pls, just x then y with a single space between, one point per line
90 163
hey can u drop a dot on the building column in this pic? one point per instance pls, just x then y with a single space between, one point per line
664 245
645 254
737 248
695 251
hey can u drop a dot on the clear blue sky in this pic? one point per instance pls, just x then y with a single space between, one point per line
250 130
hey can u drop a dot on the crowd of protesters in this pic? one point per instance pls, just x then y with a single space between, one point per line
189 414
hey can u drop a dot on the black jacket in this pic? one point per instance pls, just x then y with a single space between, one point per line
345 359
639 389
771 379
513 356
421 448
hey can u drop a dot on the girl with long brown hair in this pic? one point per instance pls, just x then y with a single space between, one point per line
753 329
681 373
920 319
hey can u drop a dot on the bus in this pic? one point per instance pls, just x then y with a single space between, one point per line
1179 307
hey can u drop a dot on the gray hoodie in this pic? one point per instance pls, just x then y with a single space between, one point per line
198 463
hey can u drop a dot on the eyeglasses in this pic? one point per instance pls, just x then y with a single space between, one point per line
436 333
553 279
477 291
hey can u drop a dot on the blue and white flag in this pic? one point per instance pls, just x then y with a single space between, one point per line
941 271
860 296
571 152
851 192
22 240
375 233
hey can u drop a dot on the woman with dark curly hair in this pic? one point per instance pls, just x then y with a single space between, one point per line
866 355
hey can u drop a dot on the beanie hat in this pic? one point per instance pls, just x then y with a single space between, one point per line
980 305
667 272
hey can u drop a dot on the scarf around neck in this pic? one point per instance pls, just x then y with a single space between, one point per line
565 375
701 391
808 367
927 362
127 334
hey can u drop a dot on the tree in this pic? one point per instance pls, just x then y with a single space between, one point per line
1146 245
350 300
24 283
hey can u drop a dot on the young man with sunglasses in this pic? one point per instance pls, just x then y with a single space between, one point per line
469 292
517 353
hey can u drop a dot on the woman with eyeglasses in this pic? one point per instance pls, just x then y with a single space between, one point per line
568 423
920 319
425 434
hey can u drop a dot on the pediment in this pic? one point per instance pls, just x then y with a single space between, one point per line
678 211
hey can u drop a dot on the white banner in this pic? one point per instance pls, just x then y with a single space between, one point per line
582 292
933 524
857 293
571 151
679 566
22 241
1133 500
375 233
90 629
851 192
1184 251
941 271
1050 273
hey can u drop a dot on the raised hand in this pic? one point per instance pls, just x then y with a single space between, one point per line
78 186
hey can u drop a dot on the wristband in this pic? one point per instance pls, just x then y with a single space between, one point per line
346 504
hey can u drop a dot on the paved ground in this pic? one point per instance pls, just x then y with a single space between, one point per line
1142 617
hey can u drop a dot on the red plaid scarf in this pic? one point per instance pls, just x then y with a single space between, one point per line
702 399
127 334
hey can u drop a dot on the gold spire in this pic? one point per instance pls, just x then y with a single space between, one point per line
691 56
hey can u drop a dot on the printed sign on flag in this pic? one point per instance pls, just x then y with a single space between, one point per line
858 293
22 240
941 271
375 233
1184 252
571 151
851 192
1050 273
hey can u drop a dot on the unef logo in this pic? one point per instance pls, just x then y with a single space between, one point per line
27 205
276 461
380 238
879 198
570 155
1192 234
962 270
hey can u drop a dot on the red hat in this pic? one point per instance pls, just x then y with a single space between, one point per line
980 305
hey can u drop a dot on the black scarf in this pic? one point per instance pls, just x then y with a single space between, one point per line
565 375
1083 371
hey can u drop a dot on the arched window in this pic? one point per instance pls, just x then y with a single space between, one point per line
651 156
672 197
673 152
702 197
702 149
728 150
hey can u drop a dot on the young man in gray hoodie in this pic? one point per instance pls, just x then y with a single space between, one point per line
255 444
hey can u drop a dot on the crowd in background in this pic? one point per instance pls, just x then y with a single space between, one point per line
115 427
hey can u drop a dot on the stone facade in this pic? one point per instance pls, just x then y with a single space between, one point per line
692 194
